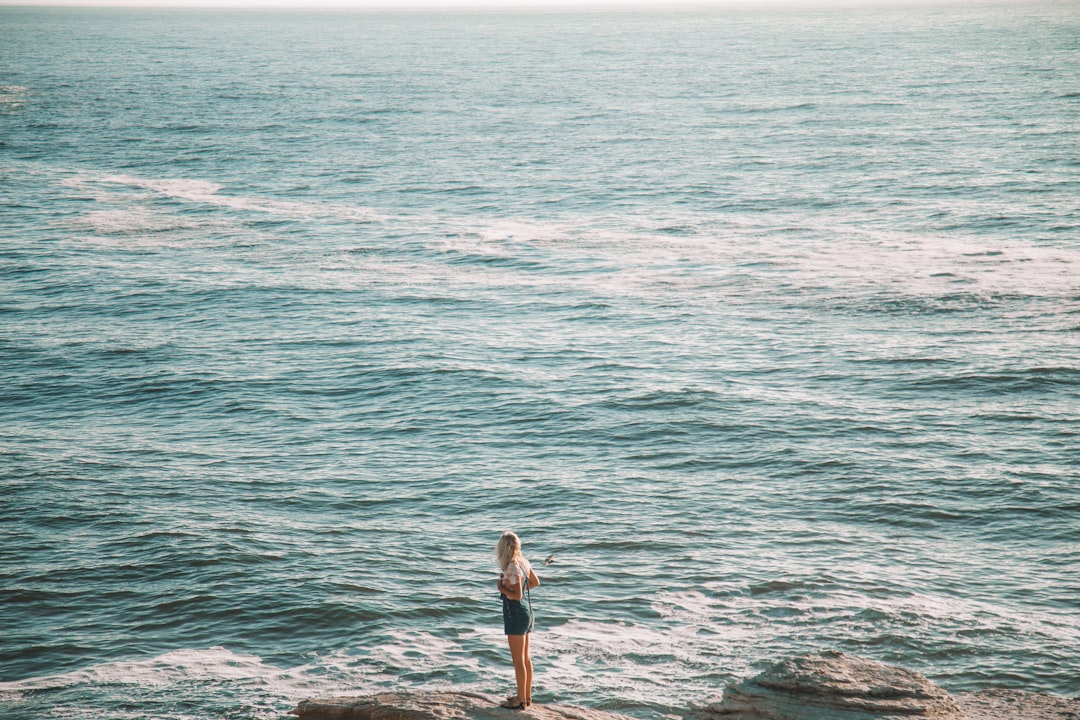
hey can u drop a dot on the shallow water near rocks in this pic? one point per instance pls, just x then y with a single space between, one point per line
765 323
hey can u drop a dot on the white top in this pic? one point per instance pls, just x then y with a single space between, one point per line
513 573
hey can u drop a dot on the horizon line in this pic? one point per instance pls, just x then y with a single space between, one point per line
587 5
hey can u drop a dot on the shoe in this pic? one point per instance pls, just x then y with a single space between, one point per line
513 703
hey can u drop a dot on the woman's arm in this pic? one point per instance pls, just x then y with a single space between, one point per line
509 588
533 580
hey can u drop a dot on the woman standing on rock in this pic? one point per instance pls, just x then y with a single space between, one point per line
517 578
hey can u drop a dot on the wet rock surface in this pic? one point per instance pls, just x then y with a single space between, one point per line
834 686
437 706
826 686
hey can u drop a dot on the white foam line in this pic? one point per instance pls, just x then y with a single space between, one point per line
202 191
424 651
632 258
188 665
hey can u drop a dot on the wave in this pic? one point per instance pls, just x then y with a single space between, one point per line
1032 379
170 668
664 399
12 93
138 221
12 97
750 109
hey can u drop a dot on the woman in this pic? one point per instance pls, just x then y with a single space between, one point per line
516 577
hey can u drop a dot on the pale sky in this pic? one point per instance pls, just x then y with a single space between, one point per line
406 4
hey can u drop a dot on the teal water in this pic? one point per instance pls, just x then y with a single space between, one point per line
765 323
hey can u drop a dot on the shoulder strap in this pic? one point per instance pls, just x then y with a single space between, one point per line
525 587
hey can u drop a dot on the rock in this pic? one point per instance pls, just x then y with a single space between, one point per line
1017 705
437 706
834 686
829 686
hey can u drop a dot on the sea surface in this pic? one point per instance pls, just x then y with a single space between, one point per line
764 323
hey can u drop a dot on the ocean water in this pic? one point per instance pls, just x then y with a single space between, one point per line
764 323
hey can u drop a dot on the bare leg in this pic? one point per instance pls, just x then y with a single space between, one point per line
527 698
519 653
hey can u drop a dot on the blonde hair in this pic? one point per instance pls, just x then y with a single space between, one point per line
508 550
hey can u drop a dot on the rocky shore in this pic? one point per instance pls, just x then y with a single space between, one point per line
828 686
